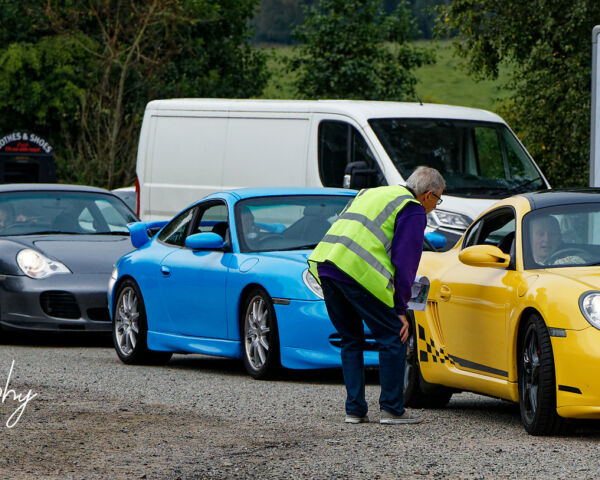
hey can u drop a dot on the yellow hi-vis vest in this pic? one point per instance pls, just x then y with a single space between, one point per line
359 241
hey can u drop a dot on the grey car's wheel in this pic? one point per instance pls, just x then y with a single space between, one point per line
415 395
537 384
130 328
260 339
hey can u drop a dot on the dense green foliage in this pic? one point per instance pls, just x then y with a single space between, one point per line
548 43
79 73
444 81
344 52
276 19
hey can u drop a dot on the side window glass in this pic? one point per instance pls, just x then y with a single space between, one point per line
497 228
175 231
471 236
339 144
213 219
498 231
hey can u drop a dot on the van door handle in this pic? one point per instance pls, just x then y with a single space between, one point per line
445 293
166 271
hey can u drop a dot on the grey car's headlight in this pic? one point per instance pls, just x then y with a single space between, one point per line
442 218
38 266
312 284
589 304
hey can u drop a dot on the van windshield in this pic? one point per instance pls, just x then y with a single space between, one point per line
477 159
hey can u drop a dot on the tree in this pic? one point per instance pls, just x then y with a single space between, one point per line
344 54
81 72
276 19
547 44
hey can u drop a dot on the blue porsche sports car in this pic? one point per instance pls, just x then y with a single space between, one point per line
228 277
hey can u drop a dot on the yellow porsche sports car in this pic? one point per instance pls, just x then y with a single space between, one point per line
514 312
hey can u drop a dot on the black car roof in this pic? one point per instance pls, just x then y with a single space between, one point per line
550 198
45 187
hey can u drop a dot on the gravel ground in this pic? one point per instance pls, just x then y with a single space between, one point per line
200 417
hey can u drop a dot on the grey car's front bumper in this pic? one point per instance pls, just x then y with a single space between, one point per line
61 302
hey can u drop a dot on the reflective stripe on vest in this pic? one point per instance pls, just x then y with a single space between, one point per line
374 226
362 253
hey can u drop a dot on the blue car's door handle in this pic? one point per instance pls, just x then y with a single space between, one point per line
165 270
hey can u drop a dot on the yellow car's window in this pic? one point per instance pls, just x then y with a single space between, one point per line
562 236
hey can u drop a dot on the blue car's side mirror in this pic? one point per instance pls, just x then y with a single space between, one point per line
140 233
436 239
205 241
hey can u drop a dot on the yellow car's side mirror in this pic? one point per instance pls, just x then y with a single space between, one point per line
484 256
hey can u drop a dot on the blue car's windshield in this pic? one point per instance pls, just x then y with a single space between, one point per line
562 236
39 212
286 222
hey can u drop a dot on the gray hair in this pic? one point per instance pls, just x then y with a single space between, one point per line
424 179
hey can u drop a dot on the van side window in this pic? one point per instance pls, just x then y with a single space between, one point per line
176 231
339 144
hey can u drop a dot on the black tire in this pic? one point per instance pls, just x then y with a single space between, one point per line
417 392
130 329
537 382
260 337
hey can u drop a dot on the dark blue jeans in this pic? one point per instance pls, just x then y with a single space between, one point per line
348 305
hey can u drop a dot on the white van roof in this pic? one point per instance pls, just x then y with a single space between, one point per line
354 108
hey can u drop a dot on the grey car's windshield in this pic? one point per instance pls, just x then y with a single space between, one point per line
280 223
562 236
478 159
43 212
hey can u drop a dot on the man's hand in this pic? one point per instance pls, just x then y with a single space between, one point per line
404 329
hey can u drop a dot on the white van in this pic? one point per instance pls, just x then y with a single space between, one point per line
191 147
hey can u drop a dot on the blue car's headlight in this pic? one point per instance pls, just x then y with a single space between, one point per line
312 284
113 278
38 266
589 303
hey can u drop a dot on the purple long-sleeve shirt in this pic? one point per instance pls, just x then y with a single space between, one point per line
407 246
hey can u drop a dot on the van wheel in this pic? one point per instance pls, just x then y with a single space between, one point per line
537 383
437 396
260 337
130 328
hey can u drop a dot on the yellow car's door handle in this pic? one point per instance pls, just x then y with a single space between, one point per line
445 293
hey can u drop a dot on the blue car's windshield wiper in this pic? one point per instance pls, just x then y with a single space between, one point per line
299 247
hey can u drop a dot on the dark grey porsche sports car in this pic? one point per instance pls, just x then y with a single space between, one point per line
58 244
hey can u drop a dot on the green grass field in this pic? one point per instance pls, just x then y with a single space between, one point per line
446 81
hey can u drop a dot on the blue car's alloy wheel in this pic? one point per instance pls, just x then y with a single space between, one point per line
130 327
127 328
260 338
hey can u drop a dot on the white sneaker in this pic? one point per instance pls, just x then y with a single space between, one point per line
391 419
356 419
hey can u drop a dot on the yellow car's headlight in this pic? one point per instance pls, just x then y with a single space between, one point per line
589 303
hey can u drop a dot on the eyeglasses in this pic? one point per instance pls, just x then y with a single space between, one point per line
439 200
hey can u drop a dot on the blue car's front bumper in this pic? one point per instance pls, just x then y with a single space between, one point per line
308 339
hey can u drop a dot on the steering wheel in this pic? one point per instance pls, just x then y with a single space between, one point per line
565 252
